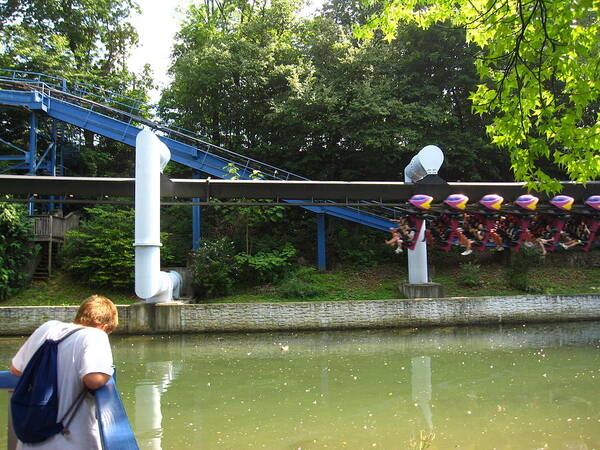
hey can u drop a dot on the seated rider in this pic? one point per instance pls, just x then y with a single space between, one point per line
395 240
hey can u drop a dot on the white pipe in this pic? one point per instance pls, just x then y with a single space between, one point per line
417 258
151 157
427 161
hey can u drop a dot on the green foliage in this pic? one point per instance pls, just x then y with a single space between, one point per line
518 271
265 267
81 41
101 252
539 72
176 222
471 274
353 246
15 248
244 224
301 286
63 37
304 95
212 267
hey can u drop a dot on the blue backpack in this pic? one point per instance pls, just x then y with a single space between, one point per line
34 403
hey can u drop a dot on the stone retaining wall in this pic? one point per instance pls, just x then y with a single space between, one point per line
216 317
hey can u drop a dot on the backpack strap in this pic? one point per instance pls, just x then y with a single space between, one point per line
75 330
71 412
75 405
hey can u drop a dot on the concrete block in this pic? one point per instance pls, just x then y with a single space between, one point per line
422 290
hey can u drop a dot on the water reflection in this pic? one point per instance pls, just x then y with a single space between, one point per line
421 387
148 411
518 387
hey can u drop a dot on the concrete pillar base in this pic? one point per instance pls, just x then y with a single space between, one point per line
150 318
422 290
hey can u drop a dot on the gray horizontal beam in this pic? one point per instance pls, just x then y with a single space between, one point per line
341 191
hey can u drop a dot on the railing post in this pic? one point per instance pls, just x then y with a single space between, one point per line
321 243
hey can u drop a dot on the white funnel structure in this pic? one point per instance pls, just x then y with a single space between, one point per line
427 162
152 285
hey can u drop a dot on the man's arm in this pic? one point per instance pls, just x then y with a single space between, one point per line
14 371
95 380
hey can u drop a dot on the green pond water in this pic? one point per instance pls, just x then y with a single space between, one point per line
513 387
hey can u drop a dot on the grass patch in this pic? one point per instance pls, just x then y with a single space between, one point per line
376 283
62 291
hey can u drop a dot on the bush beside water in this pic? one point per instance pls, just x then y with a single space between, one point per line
216 268
471 274
301 286
518 271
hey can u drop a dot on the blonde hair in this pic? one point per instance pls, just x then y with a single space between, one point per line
97 311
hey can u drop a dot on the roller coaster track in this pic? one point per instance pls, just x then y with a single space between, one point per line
119 118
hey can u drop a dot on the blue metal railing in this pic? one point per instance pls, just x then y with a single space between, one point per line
115 430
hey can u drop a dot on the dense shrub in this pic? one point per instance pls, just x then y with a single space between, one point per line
213 268
101 252
471 274
301 286
517 272
15 247
265 267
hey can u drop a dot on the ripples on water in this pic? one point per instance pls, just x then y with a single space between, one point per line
517 387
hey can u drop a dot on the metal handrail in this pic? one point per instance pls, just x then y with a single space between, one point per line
115 429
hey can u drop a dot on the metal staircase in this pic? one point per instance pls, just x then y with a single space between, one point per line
119 118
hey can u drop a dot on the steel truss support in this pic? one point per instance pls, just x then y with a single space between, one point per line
32 152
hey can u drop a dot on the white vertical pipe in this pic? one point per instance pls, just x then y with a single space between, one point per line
417 257
427 161
417 260
151 157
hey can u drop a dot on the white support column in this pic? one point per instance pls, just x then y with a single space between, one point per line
152 285
417 260
427 162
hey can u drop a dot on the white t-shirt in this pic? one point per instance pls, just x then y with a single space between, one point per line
84 352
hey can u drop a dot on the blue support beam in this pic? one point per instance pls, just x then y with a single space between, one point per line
196 216
321 243
32 152
31 100
52 162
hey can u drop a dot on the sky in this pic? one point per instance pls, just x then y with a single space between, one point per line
156 27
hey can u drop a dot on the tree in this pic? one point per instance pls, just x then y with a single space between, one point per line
79 40
365 109
232 58
305 95
67 37
101 251
15 248
539 71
